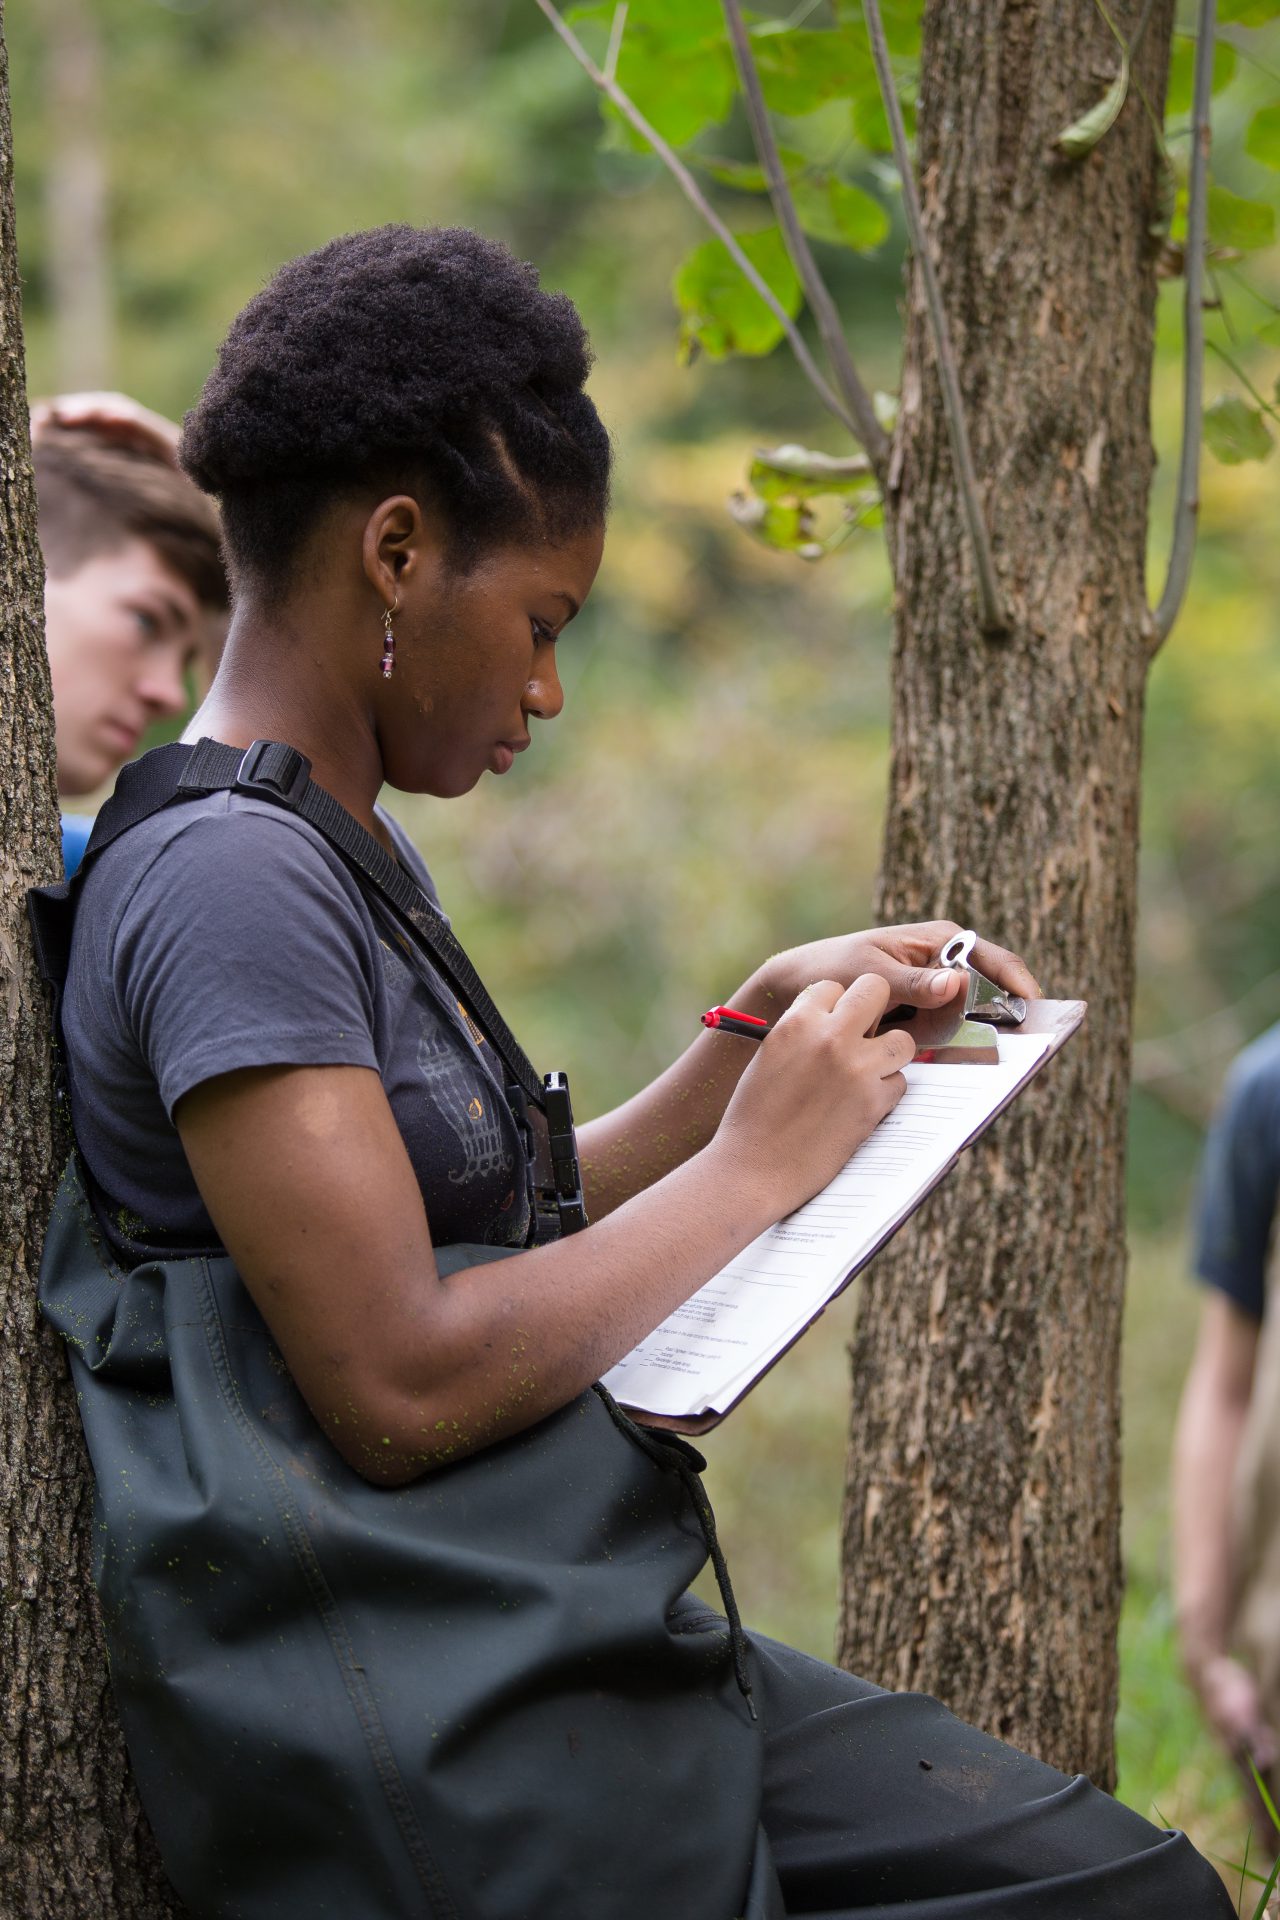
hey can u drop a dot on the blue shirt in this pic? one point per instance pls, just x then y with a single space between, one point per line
76 828
1240 1178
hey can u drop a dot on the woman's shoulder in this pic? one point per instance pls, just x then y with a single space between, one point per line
214 860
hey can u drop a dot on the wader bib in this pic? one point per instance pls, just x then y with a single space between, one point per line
487 1695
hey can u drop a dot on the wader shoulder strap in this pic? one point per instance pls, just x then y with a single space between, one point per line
273 771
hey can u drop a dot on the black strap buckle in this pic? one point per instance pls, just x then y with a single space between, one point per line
273 769
566 1173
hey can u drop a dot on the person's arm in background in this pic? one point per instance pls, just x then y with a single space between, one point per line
1239 1180
1211 1420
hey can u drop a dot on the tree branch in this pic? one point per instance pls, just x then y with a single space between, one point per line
852 391
993 615
617 28
697 199
1187 510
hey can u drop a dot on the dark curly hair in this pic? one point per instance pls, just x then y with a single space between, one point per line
423 359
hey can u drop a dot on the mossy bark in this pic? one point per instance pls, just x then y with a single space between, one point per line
73 1844
981 1537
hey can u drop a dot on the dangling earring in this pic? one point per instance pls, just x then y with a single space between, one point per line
389 640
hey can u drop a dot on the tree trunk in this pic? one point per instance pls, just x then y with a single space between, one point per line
72 1842
981 1542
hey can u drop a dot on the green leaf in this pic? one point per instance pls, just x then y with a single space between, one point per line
1269 333
674 64
1262 140
1083 135
1238 223
832 209
785 525
801 70
747 176
829 208
1235 432
720 312
1182 68
1248 13
870 123
902 23
798 473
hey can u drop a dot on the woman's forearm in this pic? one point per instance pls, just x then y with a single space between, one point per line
676 1115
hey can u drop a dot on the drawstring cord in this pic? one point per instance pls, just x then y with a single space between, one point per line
677 1457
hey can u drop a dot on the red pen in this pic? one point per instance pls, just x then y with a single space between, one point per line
729 1020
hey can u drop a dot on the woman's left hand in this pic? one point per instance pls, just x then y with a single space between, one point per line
903 956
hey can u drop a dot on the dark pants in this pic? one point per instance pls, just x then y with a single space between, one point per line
885 1807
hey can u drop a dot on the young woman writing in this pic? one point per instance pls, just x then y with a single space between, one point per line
398 1605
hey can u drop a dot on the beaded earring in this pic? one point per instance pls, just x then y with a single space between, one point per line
389 640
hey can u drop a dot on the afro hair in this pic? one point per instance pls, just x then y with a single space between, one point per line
427 358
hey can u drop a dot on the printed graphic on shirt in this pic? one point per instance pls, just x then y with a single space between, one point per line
471 1114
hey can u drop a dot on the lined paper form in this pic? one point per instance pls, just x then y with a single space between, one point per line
708 1352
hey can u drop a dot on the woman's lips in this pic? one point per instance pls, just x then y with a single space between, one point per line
505 752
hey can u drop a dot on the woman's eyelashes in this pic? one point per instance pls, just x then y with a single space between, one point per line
544 635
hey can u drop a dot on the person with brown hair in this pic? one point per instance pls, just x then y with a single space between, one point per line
135 592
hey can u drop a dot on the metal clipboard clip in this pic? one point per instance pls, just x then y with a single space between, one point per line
994 1006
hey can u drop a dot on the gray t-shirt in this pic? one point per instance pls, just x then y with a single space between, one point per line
225 933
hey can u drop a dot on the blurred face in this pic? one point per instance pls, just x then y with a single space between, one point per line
122 631
476 664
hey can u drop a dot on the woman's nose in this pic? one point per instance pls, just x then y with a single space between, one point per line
544 696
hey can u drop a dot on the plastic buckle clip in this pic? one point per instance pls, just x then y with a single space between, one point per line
271 768
566 1172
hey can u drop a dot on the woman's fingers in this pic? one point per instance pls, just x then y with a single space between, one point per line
819 995
1006 969
920 986
862 1002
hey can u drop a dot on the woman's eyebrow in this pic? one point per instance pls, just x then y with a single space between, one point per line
568 599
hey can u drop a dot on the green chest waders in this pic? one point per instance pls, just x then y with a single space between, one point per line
487 1695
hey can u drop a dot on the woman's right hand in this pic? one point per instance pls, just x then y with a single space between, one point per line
821 1081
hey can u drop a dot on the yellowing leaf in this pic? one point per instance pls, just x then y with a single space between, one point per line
799 473
1235 432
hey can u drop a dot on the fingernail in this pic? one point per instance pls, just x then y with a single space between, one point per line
938 984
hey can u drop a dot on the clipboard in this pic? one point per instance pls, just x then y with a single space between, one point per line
1053 1020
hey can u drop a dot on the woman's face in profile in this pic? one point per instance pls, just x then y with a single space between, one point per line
476 663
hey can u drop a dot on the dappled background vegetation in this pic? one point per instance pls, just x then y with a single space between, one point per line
714 789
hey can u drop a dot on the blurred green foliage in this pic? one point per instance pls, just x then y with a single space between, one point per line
715 787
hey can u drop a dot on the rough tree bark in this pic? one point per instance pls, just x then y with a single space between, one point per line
72 1841
982 1514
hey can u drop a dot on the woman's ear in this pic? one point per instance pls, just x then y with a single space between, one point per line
398 547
